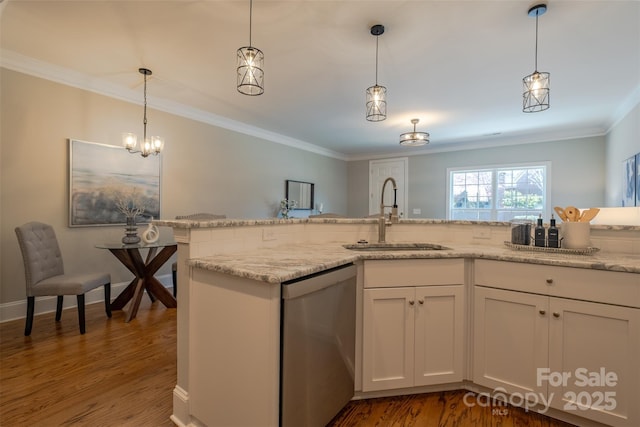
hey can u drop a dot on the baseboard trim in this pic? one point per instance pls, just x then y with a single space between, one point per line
180 416
18 309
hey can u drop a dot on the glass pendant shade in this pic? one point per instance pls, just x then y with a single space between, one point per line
414 139
250 71
536 92
376 103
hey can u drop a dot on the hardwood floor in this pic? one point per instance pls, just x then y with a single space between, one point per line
442 409
116 374
123 374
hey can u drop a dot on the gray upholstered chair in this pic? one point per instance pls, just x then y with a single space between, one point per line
44 273
195 217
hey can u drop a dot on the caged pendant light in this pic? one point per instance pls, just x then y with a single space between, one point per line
536 85
377 95
414 139
250 74
152 145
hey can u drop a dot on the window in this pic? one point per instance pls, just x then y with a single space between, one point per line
497 193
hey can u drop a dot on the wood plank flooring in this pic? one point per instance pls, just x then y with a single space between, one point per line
116 374
442 409
123 374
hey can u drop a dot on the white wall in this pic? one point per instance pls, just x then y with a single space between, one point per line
623 141
577 173
204 169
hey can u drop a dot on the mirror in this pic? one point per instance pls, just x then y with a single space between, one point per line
301 192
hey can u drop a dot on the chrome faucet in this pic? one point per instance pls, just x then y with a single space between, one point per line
393 215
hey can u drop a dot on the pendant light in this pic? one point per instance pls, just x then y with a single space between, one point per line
250 72
152 145
377 95
414 139
536 85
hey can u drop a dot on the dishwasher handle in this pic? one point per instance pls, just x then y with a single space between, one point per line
309 284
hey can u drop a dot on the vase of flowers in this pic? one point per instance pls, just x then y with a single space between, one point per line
286 206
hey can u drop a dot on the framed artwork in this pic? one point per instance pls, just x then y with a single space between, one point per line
629 181
638 179
101 177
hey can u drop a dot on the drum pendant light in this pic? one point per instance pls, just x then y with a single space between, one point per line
536 85
414 139
377 95
250 74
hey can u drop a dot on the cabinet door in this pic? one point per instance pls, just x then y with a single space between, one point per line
510 339
388 329
597 348
439 332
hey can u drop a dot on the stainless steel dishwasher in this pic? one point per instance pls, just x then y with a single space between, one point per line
318 346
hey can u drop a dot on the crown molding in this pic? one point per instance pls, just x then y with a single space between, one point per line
33 67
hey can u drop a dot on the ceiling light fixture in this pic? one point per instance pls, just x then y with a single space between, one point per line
250 72
152 145
377 95
536 85
414 139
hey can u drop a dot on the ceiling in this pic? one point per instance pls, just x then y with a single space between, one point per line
455 65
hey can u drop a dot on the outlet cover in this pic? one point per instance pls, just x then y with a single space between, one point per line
417 211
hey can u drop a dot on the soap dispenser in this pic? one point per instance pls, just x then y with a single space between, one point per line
539 233
553 240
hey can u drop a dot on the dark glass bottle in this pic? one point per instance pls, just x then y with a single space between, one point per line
553 239
539 233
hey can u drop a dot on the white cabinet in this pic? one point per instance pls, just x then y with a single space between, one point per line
581 356
412 335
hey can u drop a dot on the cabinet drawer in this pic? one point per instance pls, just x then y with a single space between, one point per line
413 272
609 287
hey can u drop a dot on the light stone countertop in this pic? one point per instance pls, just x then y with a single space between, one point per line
287 262
221 223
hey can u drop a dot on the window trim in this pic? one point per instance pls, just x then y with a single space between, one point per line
493 167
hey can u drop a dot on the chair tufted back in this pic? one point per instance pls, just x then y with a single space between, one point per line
40 252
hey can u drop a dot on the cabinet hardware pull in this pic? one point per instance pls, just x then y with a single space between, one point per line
421 301
556 314
411 302
549 280
543 312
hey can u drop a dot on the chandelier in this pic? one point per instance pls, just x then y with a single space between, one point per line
152 145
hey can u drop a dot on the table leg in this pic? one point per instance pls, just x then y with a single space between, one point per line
144 280
135 301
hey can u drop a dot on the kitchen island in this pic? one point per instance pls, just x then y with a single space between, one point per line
229 314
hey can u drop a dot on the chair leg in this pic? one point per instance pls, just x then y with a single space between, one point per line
107 299
31 302
174 277
81 312
59 308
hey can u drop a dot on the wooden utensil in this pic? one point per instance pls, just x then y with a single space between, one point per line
573 213
561 214
588 214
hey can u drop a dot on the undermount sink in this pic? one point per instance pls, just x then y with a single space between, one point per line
365 246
